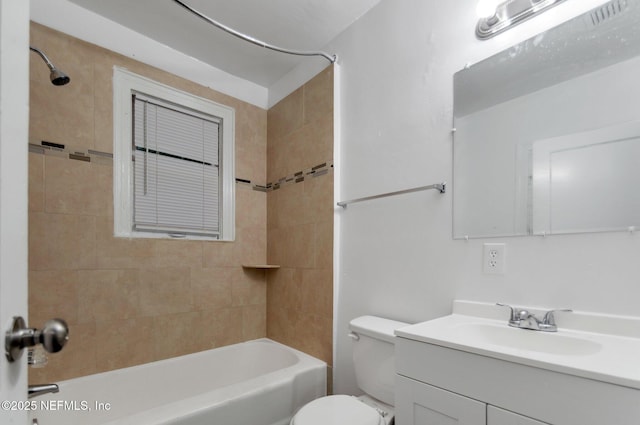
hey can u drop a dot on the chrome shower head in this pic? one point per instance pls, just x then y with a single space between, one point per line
57 77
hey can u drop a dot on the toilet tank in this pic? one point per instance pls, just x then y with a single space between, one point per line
374 355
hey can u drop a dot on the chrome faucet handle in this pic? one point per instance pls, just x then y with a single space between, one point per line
528 320
550 320
513 318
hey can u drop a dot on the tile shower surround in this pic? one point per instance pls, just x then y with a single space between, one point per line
132 301
147 305
128 301
300 219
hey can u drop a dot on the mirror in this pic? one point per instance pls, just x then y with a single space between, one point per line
547 137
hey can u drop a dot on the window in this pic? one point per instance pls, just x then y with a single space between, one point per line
173 162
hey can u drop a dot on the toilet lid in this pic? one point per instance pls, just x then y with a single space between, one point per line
337 409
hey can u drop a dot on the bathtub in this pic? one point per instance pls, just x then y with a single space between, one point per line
259 382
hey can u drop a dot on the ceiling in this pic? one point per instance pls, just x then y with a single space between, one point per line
291 24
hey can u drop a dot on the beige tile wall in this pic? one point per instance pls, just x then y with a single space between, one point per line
129 301
300 219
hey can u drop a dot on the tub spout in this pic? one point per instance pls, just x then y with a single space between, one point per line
38 390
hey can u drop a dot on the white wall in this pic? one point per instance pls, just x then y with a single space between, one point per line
396 256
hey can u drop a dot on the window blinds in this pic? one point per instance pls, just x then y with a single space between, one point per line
176 169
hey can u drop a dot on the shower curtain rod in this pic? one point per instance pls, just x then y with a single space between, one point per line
330 58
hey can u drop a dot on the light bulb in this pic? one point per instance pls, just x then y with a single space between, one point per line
487 8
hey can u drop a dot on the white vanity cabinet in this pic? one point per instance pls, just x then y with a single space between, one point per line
438 385
418 403
423 404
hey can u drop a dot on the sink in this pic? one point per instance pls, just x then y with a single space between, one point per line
586 373
528 340
589 345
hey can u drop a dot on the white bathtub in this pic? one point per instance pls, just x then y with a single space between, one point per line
259 382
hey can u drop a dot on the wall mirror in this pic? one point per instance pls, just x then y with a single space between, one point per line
547 136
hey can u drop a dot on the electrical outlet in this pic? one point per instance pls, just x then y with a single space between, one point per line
494 260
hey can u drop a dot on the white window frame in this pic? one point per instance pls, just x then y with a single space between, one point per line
125 84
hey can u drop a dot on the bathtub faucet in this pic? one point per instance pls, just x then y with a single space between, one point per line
38 390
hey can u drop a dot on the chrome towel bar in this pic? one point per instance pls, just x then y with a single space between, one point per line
441 187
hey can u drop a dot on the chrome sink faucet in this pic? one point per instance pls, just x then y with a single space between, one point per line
524 319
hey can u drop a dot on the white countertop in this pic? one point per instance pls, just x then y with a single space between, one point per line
611 355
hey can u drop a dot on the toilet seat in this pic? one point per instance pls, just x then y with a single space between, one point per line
337 409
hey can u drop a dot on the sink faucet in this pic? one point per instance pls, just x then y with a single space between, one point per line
38 390
523 319
527 320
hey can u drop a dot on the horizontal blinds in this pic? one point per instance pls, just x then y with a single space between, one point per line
176 169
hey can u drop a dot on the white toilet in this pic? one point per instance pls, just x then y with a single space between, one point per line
374 361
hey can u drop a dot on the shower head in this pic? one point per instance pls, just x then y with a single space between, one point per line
58 78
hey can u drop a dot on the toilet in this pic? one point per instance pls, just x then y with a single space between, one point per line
374 362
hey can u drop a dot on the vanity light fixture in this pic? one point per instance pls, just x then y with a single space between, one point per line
507 14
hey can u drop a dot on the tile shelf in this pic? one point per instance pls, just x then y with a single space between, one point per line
261 266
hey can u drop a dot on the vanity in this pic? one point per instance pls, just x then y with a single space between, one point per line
472 368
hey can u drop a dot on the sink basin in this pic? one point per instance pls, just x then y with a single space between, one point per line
596 346
527 340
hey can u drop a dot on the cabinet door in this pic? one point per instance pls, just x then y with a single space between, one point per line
420 404
497 416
